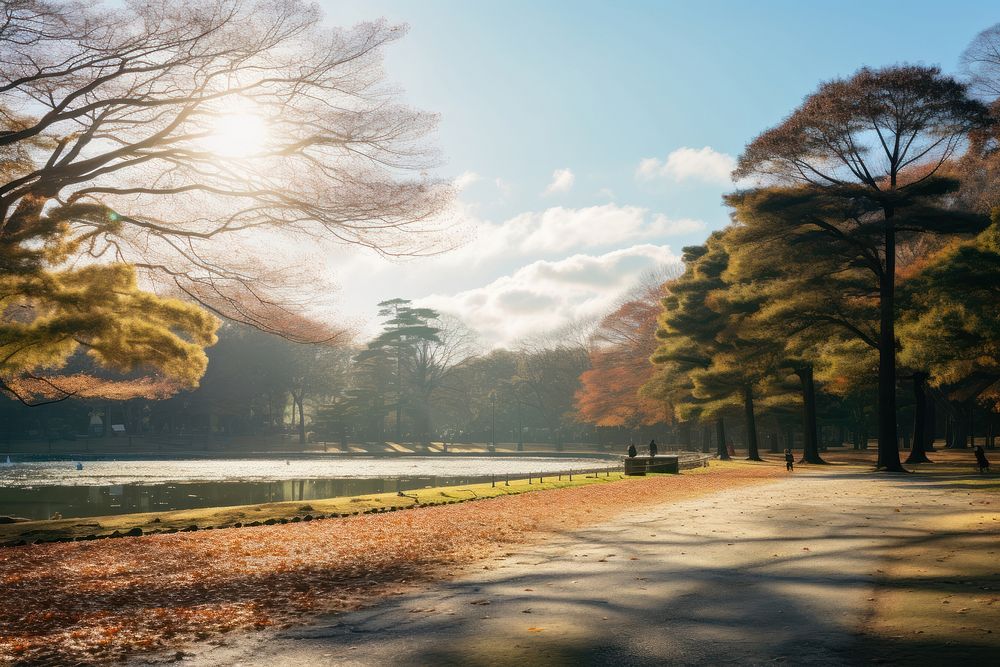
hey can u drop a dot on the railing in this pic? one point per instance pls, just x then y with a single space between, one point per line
684 463
506 478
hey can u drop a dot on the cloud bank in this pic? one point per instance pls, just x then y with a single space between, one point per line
545 296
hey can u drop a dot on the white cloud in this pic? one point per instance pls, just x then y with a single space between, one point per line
689 164
559 230
506 273
606 193
465 179
562 181
545 296
648 169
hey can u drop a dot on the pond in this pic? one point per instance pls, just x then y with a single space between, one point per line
40 489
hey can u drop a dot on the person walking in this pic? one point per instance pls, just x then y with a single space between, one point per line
981 461
652 447
789 460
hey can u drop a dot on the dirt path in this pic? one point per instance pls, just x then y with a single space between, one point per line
787 572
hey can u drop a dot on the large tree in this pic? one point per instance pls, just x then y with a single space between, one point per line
421 349
405 329
688 335
546 381
952 325
156 149
874 140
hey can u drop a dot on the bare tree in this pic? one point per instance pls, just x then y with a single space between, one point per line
981 62
434 362
198 142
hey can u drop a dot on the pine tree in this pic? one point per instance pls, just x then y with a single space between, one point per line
706 369
405 328
951 323
874 141
50 314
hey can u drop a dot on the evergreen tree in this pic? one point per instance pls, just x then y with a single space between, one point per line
405 327
875 141
951 325
697 358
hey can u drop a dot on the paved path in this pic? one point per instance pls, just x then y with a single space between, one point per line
776 573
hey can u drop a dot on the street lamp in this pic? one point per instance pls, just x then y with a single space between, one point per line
493 411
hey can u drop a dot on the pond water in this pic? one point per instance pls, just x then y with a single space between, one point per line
40 489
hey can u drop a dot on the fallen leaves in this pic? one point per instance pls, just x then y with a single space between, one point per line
99 601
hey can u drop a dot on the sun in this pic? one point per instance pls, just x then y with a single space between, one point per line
237 135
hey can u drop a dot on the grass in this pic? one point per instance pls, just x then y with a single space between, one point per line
283 512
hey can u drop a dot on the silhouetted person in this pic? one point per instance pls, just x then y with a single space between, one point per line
789 460
631 451
981 460
652 447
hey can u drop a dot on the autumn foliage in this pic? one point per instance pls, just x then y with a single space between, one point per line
619 358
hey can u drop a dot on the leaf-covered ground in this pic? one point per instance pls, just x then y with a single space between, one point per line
87 602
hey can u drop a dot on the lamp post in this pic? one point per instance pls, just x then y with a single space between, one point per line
493 411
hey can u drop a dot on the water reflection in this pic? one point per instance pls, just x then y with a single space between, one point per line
121 470
87 501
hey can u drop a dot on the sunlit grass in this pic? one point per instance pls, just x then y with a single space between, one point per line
221 517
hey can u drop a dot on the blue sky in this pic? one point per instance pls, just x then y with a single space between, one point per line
525 89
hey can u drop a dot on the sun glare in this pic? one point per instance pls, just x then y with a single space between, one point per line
239 134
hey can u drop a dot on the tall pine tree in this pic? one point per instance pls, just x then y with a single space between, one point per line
877 141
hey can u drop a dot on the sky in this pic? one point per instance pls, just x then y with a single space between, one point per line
591 141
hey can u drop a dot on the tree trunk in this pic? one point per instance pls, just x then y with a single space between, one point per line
300 404
959 438
810 446
752 453
918 452
888 442
720 440
930 429
706 438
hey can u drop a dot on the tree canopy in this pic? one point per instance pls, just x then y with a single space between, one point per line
156 151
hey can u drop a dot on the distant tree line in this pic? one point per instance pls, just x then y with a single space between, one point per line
423 378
